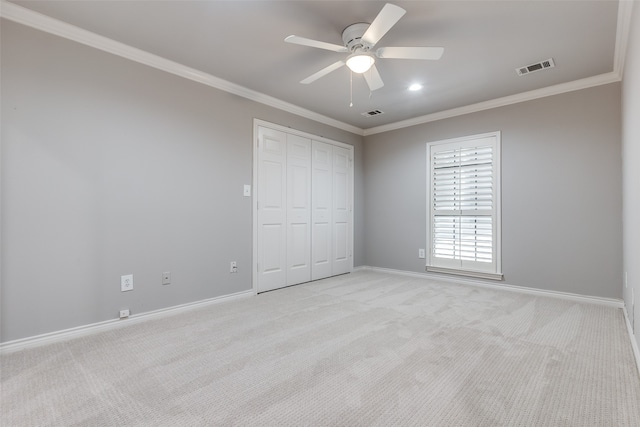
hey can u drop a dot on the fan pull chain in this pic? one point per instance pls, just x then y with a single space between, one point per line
351 89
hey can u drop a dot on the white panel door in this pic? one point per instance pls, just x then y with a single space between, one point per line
341 214
321 215
272 209
298 210
303 226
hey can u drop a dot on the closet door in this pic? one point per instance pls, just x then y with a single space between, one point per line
321 216
341 212
298 210
304 207
272 209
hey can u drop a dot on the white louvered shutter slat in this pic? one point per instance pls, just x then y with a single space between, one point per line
463 204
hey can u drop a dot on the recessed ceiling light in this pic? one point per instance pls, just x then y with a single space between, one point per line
414 87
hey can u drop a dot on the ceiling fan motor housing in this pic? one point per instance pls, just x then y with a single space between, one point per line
359 39
352 37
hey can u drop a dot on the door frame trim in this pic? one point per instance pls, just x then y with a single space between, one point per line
254 184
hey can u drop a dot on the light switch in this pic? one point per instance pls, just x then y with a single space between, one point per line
247 190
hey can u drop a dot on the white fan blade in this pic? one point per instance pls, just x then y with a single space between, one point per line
387 18
410 52
315 43
373 78
322 73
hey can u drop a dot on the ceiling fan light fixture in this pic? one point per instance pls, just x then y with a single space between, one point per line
360 62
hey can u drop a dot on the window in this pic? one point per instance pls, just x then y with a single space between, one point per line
463 231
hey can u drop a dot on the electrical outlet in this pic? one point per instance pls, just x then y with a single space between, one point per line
124 313
166 278
421 253
126 283
233 267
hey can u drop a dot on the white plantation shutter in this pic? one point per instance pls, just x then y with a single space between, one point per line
464 204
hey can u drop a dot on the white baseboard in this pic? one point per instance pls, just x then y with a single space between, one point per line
67 334
632 338
610 302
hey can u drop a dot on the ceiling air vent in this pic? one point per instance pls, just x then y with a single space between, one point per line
372 113
542 65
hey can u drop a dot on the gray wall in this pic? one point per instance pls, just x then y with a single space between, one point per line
561 191
110 167
631 172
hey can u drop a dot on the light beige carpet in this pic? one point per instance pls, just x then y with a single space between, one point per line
364 349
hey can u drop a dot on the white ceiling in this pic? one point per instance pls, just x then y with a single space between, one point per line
484 41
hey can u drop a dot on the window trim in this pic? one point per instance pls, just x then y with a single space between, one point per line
493 275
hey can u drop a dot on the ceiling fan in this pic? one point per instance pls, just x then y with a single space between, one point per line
359 40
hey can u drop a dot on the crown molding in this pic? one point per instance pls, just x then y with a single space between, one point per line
625 9
623 28
39 21
585 83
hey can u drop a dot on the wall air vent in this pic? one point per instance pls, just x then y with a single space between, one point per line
542 65
372 113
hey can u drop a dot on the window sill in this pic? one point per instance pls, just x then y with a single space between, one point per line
478 274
